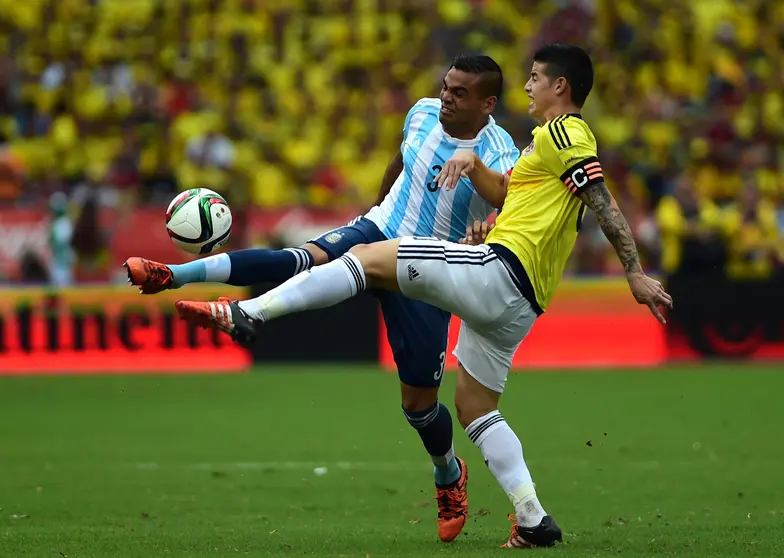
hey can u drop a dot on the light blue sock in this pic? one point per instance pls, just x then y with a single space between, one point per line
191 272
244 267
213 269
448 474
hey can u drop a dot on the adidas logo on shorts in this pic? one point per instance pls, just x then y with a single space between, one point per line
412 273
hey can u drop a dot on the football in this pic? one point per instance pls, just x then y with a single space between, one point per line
198 221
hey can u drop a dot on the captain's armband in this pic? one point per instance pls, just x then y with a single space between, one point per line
583 174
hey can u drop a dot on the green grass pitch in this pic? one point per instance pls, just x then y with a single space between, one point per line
684 461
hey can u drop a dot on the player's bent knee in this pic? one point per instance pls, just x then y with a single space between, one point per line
362 251
379 263
473 400
369 260
416 399
468 411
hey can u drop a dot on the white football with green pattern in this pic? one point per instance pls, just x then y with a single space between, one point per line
198 221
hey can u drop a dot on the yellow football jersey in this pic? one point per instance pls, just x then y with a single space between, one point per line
542 212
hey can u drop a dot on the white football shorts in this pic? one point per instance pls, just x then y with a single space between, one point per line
473 283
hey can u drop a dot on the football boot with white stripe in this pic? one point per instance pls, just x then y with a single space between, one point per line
223 314
545 534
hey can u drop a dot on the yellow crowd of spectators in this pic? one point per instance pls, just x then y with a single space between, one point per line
280 102
697 123
303 99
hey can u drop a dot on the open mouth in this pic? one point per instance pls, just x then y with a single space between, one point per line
446 110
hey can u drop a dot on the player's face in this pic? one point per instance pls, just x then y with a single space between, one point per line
461 104
541 91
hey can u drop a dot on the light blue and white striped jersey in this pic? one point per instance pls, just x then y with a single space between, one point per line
414 206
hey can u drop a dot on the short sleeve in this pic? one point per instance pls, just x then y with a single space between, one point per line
422 105
569 152
505 160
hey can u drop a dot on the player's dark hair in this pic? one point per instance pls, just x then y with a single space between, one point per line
491 81
571 63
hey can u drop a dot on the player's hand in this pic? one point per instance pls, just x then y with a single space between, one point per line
649 292
458 166
476 233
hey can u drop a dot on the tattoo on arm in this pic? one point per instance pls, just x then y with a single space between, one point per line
613 224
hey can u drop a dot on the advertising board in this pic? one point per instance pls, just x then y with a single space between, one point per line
110 330
590 324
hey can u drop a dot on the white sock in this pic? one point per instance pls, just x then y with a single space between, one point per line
218 268
319 287
504 456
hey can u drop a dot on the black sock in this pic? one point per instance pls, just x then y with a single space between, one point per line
434 426
258 265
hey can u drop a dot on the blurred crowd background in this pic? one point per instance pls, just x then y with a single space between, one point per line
300 103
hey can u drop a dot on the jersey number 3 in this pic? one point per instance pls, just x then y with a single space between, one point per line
431 185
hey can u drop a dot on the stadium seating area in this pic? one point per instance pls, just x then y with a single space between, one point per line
282 102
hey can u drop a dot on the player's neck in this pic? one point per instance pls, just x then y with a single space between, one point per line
555 112
466 132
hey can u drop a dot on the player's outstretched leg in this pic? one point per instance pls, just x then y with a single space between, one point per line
477 408
319 287
240 268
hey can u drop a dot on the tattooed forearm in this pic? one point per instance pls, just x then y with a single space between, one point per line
613 224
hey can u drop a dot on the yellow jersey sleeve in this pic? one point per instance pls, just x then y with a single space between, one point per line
569 152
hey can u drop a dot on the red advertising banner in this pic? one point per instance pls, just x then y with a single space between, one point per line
110 330
747 323
590 324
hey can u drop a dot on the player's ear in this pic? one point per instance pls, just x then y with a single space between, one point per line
490 103
560 86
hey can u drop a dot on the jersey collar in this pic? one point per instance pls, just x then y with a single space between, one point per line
575 114
472 141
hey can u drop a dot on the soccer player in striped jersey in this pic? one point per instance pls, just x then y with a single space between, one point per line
498 289
409 204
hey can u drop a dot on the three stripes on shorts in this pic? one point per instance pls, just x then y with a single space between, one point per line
445 252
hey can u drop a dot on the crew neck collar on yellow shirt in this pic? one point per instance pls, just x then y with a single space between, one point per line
575 114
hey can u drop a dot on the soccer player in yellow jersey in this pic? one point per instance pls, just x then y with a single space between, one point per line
497 289
557 176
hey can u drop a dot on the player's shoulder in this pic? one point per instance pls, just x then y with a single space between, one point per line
423 110
568 130
497 139
430 105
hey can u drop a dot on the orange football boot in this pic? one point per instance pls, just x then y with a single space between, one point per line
223 314
151 277
453 506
